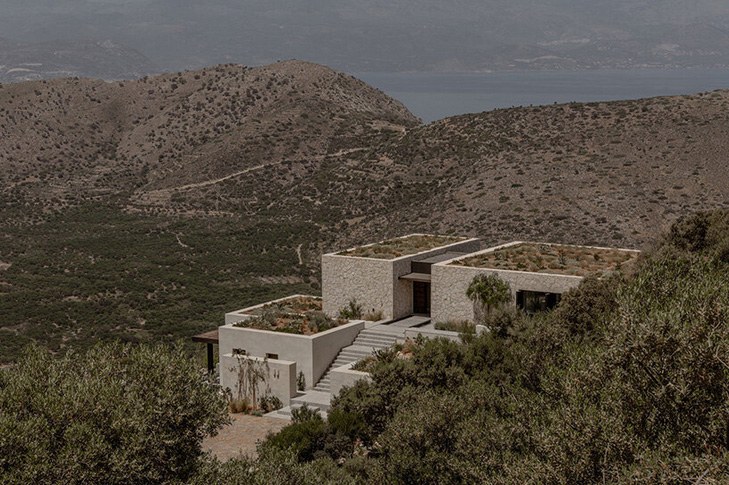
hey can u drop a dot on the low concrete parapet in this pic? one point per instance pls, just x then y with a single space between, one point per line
412 333
346 376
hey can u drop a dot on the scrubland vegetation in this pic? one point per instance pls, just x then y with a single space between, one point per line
626 381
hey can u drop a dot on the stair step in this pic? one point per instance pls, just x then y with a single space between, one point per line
387 336
371 341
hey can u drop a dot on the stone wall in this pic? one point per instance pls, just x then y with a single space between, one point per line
375 283
280 379
449 285
367 280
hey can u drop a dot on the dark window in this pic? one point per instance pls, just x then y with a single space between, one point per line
272 356
239 352
537 301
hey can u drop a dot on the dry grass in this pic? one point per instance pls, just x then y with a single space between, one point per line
402 246
552 258
298 315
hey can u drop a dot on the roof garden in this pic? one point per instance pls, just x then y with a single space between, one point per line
300 315
402 246
552 258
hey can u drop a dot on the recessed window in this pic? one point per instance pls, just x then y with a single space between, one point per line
537 301
272 356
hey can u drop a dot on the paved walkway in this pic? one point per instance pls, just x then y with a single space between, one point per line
240 438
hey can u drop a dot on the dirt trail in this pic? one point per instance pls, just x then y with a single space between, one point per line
248 170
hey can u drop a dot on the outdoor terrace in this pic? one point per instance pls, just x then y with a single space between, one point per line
402 246
552 258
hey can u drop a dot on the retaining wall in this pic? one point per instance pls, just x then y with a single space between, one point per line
345 376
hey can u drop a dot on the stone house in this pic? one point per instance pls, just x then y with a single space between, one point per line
403 286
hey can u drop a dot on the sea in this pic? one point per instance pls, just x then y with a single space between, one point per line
434 96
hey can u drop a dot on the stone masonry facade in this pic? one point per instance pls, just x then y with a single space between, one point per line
375 283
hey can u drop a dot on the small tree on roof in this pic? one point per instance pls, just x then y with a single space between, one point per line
488 292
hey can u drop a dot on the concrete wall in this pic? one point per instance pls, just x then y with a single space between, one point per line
345 376
449 285
313 353
280 380
432 333
375 283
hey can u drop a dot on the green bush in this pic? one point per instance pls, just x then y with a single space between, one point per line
353 311
488 291
115 414
302 438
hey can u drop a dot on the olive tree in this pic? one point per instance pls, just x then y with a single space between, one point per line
488 292
116 414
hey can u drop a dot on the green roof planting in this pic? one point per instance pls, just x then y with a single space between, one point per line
300 315
552 258
402 246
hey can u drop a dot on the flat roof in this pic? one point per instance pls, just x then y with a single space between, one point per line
416 277
441 257
207 337
564 259
402 246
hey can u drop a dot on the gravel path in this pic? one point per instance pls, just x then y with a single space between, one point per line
241 436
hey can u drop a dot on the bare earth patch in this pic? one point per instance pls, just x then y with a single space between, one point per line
239 439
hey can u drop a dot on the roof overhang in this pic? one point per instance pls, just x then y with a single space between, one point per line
207 337
422 277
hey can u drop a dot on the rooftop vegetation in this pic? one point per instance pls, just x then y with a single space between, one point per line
552 258
401 246
301 315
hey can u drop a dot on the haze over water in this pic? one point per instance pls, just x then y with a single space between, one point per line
433 96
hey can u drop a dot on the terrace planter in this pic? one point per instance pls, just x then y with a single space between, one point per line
312 353
412 333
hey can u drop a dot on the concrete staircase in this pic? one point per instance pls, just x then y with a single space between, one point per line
366 342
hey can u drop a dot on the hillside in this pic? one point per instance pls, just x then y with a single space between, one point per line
144 210
71 58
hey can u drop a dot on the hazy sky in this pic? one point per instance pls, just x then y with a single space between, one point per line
431 35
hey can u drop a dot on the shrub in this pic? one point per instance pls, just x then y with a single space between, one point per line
116 414
305 413
302 438
374 316
270 403
586 307
353 311
488 291
456 326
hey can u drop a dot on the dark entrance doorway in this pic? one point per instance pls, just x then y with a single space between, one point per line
421 297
